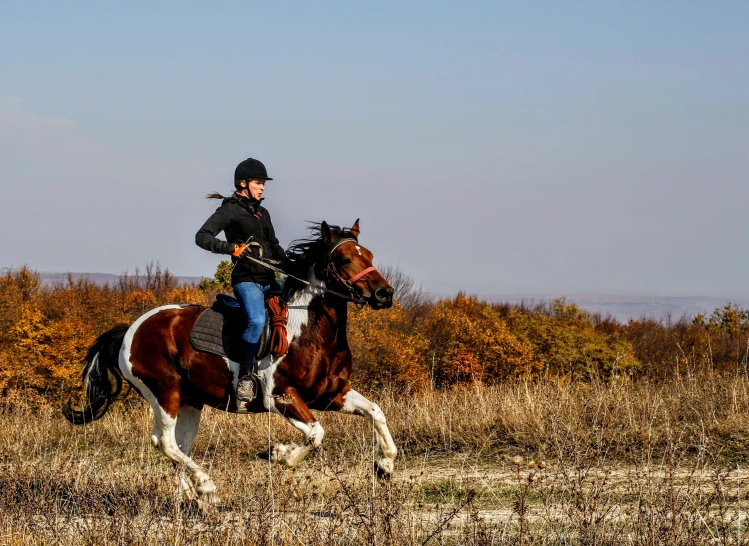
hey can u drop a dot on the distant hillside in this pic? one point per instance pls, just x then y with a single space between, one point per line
623 308
49 277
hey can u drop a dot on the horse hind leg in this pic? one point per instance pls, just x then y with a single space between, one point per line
140 366
188 422
200 483
156 434
293 408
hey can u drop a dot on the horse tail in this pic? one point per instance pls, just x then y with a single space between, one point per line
102 358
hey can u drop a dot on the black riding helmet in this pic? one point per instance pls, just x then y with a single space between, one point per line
249 169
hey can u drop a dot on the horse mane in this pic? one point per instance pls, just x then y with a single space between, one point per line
303 254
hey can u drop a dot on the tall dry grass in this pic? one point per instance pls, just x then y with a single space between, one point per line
544 463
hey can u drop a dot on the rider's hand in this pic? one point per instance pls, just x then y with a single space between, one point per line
239 250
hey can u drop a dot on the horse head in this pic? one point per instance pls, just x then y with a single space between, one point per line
349 264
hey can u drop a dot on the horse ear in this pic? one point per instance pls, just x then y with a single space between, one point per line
327 235
355 228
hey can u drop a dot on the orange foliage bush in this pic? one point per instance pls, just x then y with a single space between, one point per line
386 351
567 342
470 342
45 332
464 367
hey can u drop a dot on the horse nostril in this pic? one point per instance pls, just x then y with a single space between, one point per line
384 294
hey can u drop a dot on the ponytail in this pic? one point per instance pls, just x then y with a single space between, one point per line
214 195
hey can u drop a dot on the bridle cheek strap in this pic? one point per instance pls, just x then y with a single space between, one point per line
361 274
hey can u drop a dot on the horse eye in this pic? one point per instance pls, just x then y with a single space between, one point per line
344 261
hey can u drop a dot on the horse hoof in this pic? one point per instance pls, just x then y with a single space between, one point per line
211 499
266 455
206 488
206 508
278 454
384 469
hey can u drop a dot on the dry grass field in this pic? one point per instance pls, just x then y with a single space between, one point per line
542 463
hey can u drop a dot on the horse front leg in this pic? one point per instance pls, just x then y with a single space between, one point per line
292 407
355 403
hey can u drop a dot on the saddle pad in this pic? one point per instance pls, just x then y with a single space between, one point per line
219 333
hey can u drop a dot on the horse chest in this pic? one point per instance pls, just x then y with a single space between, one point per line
312 368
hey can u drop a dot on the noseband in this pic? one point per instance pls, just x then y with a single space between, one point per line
348 283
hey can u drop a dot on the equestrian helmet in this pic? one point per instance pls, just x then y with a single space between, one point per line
250 169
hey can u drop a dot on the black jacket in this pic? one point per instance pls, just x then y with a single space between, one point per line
239 218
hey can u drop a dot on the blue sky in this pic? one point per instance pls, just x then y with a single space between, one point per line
497 147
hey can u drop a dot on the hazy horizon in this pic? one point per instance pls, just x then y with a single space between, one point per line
544 148
611 297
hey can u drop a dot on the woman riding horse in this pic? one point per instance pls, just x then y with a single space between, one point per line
243 220
156 357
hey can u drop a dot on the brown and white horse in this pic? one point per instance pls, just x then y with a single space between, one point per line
155 356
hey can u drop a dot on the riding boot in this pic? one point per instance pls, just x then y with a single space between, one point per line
246 384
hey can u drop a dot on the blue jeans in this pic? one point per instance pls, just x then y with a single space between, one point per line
251 297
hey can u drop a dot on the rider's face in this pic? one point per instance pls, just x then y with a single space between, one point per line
256 188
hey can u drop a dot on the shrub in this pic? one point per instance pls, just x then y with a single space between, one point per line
386 350
45 331
470 342
566 341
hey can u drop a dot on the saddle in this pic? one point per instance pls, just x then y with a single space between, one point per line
218 330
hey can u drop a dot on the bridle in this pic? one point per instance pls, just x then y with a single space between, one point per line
333 272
